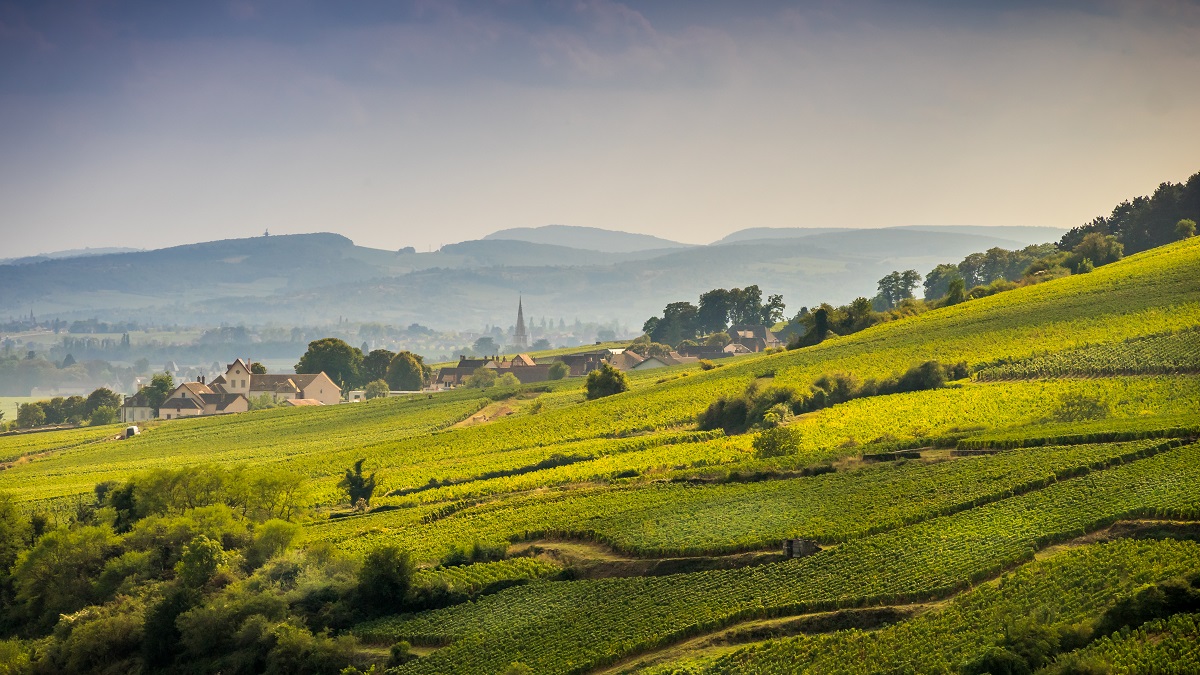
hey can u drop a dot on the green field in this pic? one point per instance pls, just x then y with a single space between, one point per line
566 535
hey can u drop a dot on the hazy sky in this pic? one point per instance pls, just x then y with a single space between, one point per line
155 123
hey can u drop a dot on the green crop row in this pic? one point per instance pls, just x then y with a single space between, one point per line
678 519
1162 646
574 626
477 578
1058 592
1150 355
1094 431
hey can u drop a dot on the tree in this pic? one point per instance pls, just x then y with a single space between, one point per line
101 398
377 389
713 313
384 579
1185 228
772 312
937 282
606 381
485 346
559 370
1101 249
956 292
897 286
406 372
508 380
69 360
201 559
14 533
105 414
678 323
746 305
375 365
160 387
341 362
356 485
30 415
257 368
482 378
542 344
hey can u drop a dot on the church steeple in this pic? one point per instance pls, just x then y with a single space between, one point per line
520 337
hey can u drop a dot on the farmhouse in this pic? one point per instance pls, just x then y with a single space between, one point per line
192 399
754 338
137 408
522 366
239 380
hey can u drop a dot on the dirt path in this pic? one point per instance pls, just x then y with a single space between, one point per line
590 560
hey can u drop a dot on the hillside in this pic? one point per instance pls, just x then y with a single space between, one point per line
1016 234
614 534
587 238
316 279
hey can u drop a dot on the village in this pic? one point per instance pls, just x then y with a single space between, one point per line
240 386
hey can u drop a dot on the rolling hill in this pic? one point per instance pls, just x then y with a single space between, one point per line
575 535
317 278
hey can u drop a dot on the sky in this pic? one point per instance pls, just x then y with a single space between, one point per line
151 124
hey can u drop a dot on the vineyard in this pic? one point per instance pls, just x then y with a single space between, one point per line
1154 355
1060 591
616 534
920 562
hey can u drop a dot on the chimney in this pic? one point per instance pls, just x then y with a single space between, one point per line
200 379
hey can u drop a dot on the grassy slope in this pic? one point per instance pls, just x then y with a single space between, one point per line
1151 292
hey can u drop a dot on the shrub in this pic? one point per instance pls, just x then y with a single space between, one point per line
376 389
606 381
705 364
201 559
777 442
559 370
508 380
356 485
482 378
384 579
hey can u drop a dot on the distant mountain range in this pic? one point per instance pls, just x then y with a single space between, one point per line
314 279
586 238
72 253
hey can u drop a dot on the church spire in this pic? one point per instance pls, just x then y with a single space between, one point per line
520 337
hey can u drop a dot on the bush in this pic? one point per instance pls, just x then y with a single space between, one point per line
777 442
605 382
201 559
559 370
996 661
508 380
376 389
103 415
705 364
384 579
482 378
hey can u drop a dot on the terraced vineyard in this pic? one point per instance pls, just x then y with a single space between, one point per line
1060 592
1153 355
923 561
648 536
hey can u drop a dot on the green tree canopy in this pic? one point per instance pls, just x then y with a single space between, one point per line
559 370
482 378
606 381
102 398
160 387
1183 229
332 356
377 389
375 365
257 368
406 372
